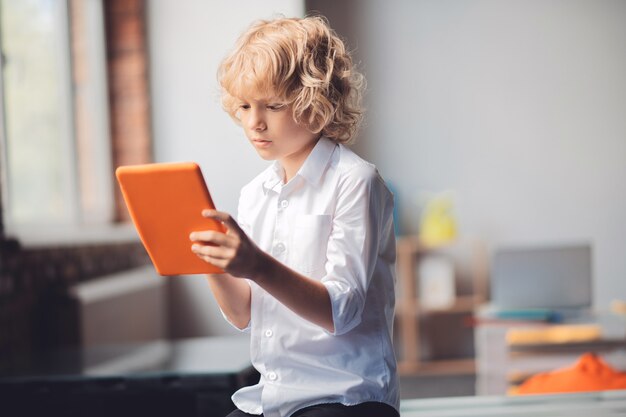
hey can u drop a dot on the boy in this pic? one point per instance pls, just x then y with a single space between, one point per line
314 237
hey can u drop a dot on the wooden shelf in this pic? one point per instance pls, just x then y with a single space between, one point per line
462 304
438 367
410 250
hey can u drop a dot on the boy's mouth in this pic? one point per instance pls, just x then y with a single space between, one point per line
261 142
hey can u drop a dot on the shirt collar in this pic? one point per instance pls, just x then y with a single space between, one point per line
312 169
274 176
315 164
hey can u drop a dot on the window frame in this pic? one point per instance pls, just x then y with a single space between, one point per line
84 225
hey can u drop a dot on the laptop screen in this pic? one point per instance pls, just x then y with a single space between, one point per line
542 277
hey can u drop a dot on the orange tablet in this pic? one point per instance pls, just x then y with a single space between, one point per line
165 202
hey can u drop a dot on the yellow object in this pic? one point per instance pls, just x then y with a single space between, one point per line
554 334
438 225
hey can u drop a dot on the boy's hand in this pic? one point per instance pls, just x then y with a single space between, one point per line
232 251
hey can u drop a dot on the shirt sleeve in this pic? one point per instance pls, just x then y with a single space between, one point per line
363 212
246 329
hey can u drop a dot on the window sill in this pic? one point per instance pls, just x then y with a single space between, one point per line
47 236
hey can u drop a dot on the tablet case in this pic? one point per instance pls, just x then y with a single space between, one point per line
165 202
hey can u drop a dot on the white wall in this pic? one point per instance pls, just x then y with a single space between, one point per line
518 105
188 39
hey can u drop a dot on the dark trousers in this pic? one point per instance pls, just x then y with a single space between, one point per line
370 409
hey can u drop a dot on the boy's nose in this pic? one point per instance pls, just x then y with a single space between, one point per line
256 122
259 127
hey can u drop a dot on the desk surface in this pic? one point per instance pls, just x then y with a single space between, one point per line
596 404
210 355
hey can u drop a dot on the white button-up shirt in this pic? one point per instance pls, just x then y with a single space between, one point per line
332 222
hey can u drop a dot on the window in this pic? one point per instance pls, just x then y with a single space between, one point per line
56 166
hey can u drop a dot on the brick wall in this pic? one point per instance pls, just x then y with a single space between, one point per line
128 85
34 281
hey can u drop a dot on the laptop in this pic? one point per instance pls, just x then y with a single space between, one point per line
554 277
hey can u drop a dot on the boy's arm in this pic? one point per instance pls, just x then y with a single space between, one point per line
235 253
233 296
304 296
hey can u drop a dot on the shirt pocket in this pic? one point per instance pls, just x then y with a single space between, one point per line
309 241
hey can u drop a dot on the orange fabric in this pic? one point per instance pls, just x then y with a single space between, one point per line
590 373
165 202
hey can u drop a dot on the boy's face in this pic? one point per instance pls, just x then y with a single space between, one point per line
270 127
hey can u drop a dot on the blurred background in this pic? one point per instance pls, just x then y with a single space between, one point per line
499 125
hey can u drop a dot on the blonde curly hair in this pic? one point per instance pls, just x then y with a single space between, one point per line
301 61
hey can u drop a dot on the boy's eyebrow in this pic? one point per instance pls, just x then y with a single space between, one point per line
272 100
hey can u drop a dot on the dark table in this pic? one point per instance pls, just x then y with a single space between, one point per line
190 377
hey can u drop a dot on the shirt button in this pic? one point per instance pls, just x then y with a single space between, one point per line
272 376
279 248
284 203
269 333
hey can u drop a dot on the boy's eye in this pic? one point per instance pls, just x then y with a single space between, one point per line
276 107
244 106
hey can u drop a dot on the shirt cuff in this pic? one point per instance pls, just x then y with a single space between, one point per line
244 330
346 306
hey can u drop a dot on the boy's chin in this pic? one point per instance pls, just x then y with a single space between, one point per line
266 155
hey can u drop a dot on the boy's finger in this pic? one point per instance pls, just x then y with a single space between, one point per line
210 236
214 214
222 217
210 251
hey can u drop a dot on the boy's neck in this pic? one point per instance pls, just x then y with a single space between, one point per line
292 163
